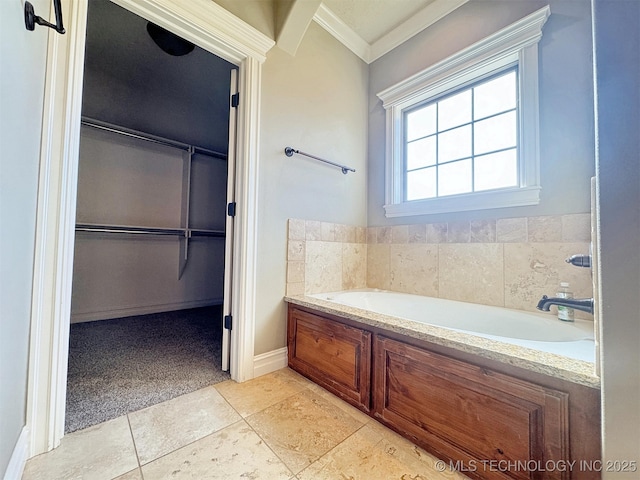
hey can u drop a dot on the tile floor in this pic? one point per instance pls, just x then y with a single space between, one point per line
278 426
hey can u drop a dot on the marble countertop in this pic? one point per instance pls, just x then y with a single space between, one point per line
554 365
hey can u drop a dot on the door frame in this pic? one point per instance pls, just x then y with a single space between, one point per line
211 27
227 301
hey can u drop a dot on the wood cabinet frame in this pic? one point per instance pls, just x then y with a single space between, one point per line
463 408
332 354
463 412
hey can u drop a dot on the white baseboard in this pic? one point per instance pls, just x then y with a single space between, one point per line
269 362
141 310
18 457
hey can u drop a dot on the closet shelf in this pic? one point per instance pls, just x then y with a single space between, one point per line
185 233
138 230
110 127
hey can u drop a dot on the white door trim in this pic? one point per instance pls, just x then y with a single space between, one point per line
210 26
227 304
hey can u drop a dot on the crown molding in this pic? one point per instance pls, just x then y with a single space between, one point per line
412 26
508 41
426 17
342 32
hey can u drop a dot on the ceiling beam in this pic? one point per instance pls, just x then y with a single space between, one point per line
342 32
296 23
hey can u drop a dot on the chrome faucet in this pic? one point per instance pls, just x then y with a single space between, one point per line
583 304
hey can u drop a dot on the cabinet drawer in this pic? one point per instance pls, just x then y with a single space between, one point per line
469 413
332 354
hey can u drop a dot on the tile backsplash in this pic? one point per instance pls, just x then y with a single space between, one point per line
505 262
325 257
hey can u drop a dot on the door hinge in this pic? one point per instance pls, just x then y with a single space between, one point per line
235 100
231 209
228 322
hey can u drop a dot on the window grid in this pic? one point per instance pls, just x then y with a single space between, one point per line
472 123
473 138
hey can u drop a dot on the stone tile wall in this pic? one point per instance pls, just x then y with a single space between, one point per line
325 257
505 262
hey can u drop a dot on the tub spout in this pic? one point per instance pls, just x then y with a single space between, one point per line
583 304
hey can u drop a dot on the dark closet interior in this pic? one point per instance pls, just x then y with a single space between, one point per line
149 253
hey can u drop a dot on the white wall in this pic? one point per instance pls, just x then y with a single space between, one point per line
315 102
566 101
618 119
22 63
257 13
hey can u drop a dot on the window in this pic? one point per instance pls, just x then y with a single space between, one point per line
464 142
463 134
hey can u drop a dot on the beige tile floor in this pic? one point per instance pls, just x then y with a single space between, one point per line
279 426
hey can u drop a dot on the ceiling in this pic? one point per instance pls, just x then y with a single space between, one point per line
371 28
372 19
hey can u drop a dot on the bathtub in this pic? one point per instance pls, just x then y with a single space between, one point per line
537 331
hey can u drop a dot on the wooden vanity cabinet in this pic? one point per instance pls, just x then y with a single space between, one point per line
334 355
491 420
498 425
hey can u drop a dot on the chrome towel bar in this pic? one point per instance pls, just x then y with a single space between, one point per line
288 151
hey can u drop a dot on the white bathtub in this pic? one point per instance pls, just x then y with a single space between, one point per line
537 331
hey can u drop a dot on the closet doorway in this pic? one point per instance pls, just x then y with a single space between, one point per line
151 275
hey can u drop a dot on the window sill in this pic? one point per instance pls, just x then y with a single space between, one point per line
472 201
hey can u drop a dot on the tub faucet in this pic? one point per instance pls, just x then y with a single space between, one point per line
583 304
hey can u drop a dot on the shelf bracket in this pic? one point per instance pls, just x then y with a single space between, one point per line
186 200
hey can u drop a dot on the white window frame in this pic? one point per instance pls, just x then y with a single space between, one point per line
516 44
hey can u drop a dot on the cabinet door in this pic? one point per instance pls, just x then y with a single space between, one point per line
495 426
332 354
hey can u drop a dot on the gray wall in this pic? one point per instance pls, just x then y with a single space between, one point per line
22 63
124 181
130 81
315 102
566 101
151 109
618 112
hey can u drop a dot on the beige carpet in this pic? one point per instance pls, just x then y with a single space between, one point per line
126 364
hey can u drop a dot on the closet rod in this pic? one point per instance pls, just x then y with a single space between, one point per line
190 232
109 127
85 227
